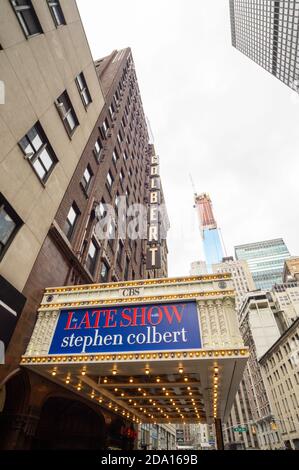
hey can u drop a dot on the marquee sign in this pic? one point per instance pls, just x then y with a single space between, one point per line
133 328
153 257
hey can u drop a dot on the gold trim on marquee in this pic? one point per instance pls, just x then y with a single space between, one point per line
129 300
142 282
94 358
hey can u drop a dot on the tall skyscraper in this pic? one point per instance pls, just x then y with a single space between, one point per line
265 260
210 232
266 31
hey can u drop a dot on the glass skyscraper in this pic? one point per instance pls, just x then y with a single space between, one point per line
212 247
210 232
266 31
265 260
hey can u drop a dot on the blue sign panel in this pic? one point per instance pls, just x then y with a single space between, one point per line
133 328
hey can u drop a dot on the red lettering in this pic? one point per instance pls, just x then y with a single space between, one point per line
135 316
69 321
126 316
158 313
85 323
97 317
175 312
110 316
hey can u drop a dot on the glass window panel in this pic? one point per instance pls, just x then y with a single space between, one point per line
97 147
26 146
85 96
87 175
80 81
92 250
39 169
71 121
34 138
72 216
46 159
58 15
29 19
7 226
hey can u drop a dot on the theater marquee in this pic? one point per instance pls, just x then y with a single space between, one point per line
154 350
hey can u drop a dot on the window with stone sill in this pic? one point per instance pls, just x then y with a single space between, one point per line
38 152
27 17
10 223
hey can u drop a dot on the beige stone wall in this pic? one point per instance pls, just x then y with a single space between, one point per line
35 72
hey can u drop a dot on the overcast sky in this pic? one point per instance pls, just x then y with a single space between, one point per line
214 113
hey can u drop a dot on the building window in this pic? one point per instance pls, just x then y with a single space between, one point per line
125 155
10 223
38 152
56 12
71 220
67 113
120 253
115 156
111 233
117 201
112 110
109 180
102 208
83 90
105 128
104 272
92 257
126 275
27 17
121 176
119 137
98 148
86 179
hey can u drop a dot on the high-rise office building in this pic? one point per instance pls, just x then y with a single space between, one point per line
266 31
108 169
265 260
209 230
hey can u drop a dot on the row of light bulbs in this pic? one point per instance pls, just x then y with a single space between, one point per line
131 380
215 390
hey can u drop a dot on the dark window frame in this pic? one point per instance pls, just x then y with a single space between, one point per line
61 101
83 90
36 156
104 280
104 133
98 155
56 4
91 265
4 204
127 268
109 186
115 156
86 185
70 232
120 253
18 9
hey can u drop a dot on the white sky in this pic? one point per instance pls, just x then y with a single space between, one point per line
214 113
